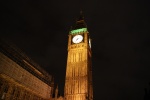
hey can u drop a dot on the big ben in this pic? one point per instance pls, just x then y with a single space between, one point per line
78 81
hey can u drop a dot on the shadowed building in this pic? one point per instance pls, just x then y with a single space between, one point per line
78 82
21 78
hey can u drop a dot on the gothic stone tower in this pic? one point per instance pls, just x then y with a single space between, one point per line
78 82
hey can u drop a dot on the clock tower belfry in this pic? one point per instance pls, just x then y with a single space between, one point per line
78 81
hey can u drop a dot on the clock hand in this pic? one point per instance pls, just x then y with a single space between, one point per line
77 39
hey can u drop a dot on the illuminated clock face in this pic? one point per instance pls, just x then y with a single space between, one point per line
77 39
90 43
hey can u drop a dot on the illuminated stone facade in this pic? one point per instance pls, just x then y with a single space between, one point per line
21 78
78 82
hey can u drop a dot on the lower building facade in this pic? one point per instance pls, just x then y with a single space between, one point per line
21 78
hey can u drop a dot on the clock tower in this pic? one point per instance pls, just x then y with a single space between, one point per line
78 82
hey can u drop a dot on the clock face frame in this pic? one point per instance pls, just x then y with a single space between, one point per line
77 39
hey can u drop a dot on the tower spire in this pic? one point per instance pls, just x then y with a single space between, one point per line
80 23
56 92
81 17
80 11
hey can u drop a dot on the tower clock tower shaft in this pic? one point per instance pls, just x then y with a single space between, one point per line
78 82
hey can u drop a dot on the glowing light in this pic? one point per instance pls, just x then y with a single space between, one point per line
78 31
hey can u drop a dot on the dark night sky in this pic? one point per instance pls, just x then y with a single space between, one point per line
120 40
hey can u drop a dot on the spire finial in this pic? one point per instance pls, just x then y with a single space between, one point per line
81 12
57 86
56 92
71 28
81 16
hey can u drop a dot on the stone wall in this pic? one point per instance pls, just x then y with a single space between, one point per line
11 69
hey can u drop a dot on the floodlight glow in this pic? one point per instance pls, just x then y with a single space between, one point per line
78 30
